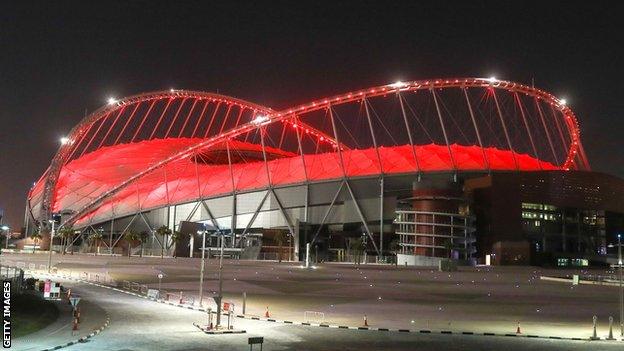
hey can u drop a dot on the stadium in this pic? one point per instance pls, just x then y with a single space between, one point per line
409 171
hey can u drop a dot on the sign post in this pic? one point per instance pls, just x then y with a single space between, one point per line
74 301
255 340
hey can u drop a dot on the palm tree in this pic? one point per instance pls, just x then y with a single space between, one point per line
279 238
448 245
356 245
131 236
36 236
95 238
143 237
176 237
66 233
164 233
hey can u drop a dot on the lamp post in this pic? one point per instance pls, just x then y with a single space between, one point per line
50 248
619 237
201 271
160 276
220 297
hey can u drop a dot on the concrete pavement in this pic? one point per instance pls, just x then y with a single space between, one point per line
60 332
465 300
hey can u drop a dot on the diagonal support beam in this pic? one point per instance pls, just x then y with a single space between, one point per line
151 230
331 205
212 218
362 218
255 215
284 214
125 229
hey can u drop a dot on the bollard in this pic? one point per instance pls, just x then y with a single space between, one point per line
210 326
181 296
595 334
610 329
518 329
244 301
365 321
266 313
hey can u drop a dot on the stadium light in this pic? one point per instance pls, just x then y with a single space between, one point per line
563 101
64 140
492 79
111 100
260 119
397 84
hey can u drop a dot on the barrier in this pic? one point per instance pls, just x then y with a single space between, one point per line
313 317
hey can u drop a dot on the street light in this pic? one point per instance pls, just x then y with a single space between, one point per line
51 240
220 297
160 276
201 271
619 237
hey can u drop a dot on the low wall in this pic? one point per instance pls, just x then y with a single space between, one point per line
418 260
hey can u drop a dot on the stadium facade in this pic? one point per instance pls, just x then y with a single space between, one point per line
428 169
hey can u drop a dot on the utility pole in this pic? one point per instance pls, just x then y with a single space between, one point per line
50 248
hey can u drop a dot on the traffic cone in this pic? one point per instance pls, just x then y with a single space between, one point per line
365 321
518 329
266 313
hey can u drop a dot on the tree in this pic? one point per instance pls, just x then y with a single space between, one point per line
176 237
279 238
95 238
131 236
143 238
356 246
448 245
65 233
36 236
164 233
393 247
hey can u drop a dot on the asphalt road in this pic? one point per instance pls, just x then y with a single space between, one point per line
138 324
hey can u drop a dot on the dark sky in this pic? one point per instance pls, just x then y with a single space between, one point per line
59 58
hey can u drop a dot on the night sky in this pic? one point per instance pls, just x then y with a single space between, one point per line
59 58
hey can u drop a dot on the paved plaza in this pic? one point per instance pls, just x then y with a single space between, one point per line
481 299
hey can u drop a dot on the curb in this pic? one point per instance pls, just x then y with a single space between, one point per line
84 338
322 325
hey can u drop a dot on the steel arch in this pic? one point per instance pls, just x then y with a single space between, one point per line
271 116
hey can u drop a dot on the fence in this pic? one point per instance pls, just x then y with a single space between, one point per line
15 275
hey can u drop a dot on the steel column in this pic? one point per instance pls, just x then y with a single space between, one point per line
446 140
409 134
526 126
500 115
474 123
541 114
